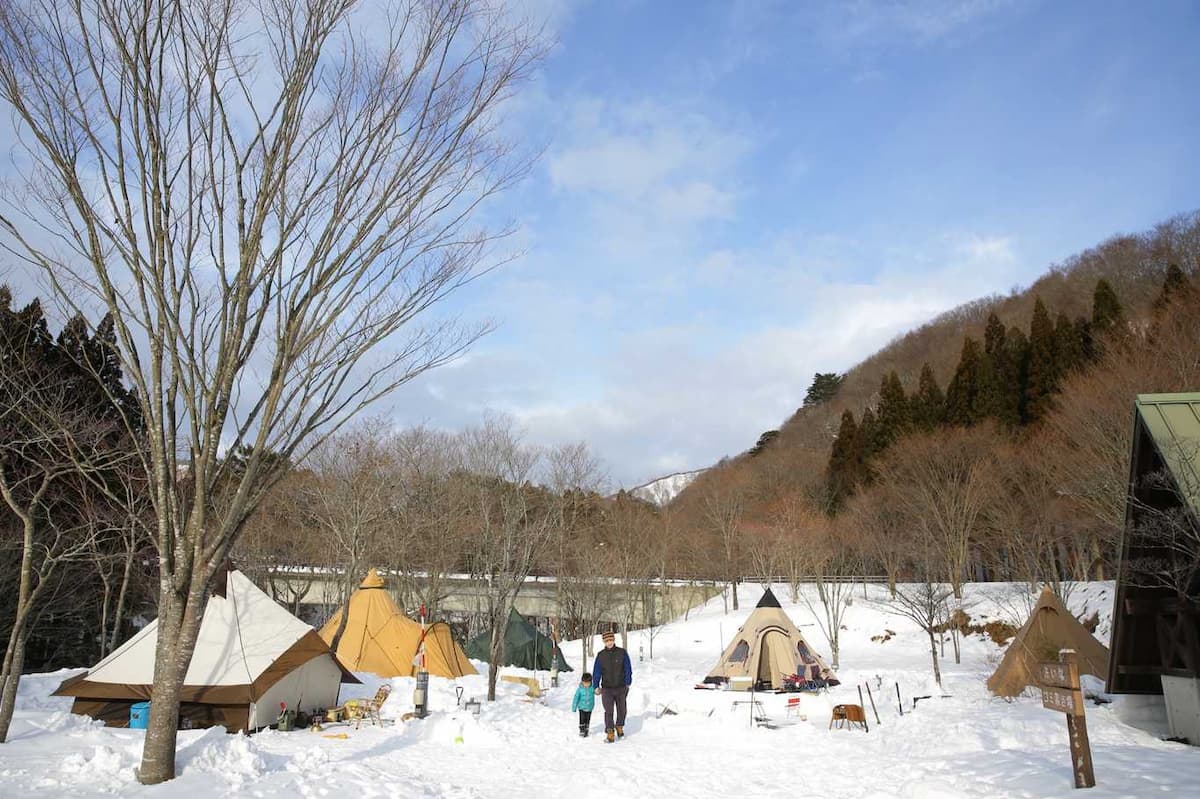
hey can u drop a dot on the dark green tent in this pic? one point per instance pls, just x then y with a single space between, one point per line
524 646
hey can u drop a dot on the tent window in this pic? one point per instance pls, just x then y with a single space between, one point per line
805 655
740 652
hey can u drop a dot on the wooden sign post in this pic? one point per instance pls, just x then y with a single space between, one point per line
1060 691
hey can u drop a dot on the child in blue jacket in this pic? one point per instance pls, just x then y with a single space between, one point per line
584 702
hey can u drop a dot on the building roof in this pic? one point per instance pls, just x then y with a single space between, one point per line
1173 421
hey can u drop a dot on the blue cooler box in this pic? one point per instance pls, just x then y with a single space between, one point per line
139 715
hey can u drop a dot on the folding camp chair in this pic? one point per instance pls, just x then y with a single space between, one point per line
370 710
357 710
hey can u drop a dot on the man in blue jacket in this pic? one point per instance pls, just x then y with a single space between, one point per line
613 674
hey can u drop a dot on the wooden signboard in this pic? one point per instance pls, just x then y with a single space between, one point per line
1058 674
1061 692
1061 699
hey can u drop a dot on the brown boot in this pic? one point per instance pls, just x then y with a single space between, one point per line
609 735
620 731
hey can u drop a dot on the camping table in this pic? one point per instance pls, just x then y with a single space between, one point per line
757 714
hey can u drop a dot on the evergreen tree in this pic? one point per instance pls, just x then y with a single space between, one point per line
1107 315
1068 345
1087 347
962 395
824 387
990 399
894 417
845 461
1043 363
1175 286
1016 377
871 440
763 440
928 404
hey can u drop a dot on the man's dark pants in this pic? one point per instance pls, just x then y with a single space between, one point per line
611 697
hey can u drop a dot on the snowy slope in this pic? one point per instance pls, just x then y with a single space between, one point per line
664 489
965 745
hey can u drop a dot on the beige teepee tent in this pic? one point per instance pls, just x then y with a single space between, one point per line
250 656
1050 627
767 649
380 639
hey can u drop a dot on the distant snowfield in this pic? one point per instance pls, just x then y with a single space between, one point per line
967 745
664 489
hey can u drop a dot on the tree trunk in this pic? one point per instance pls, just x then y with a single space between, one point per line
937 672
178 627
1097 558
496 651
14 657
733 584
347 589
10 676
122 594
892 583
104 608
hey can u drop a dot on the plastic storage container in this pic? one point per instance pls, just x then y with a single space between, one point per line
139 715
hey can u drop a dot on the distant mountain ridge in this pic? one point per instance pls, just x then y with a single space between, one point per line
662 490
793 460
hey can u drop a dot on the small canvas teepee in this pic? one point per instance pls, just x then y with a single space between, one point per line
250 656
767 649
379 638
1050 627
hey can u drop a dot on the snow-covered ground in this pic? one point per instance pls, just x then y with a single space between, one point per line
964 745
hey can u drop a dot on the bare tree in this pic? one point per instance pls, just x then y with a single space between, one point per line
58 454
588 596
723 504
799 526
281 545
118 539
350 501
945 483
513 523
925 602
832 562
576 475
268 199
884 531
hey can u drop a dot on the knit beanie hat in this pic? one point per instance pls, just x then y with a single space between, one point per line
607 636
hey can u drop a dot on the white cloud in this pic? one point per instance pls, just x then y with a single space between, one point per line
648 160
918 21
665 397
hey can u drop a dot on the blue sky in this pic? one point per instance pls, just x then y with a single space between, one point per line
734 196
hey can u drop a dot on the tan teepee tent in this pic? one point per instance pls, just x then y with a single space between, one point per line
1050 627
250 656
381 639
767 649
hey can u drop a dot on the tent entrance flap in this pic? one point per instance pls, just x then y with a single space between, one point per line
773 644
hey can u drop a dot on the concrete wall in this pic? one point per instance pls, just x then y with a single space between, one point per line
464 598
1182 695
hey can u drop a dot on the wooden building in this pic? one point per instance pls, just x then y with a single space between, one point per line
1156 619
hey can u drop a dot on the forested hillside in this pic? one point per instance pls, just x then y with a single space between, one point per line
994 436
